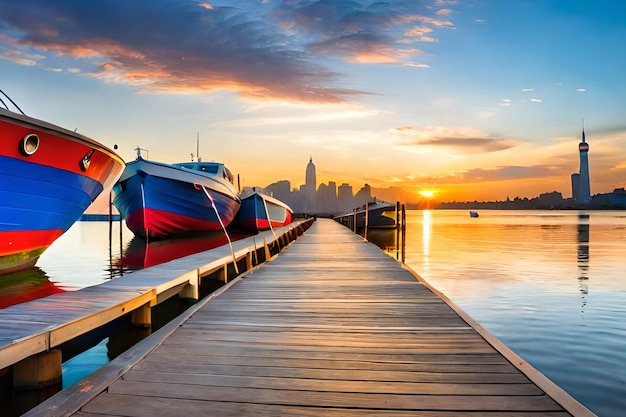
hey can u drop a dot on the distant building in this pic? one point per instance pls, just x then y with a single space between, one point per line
575 185
327 200
363 196
344 194
584 193
550 200
310 187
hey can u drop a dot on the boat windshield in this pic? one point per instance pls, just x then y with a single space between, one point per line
228 175
208 167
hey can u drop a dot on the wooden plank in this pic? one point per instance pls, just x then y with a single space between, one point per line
124 405
334 398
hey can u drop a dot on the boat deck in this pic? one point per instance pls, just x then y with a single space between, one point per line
331 327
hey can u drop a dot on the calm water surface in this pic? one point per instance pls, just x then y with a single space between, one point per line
550 284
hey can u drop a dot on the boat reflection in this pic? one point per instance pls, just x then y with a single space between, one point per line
142 254
383 238
29 284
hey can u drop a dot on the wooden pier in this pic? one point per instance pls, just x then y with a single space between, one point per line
32 333
331 327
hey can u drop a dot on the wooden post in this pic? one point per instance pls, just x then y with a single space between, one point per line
354 220
142 316
249 260
403 231
38 371
397 228
222 274
267 250
192 289
367 210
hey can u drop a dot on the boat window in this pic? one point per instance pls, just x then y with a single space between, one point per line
228 175
211 169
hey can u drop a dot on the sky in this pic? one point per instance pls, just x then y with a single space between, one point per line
465 99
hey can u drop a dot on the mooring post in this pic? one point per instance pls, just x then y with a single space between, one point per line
266 248
249 260
397 228
403 231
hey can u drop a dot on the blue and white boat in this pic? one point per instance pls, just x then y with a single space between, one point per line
260 211
159 200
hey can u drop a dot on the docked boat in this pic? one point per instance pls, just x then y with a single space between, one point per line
48 178
260 211
373 214
159 200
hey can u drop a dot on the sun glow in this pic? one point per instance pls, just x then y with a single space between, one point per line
427 193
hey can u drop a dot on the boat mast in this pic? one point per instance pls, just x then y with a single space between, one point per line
198 147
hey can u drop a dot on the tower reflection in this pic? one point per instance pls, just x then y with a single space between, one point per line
582 239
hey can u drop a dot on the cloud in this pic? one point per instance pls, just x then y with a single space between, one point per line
462 140
512 172
364 48
415 65
262 50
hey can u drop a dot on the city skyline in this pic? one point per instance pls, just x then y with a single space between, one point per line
332 199
463 100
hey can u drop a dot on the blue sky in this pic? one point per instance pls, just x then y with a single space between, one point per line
478 99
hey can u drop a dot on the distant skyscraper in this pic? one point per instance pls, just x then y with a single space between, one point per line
310 187
311 179
584 193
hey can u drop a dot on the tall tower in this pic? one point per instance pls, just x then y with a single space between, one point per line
311 180
310 185
584 193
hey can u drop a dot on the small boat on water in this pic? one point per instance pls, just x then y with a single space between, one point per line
48 178
260 211
473 213
159 200
373 213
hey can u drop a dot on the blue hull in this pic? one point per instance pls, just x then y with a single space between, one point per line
42 197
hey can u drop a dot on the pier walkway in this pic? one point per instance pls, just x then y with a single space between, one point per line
331 327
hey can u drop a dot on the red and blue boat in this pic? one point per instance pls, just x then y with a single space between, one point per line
48 178
260 211
159 200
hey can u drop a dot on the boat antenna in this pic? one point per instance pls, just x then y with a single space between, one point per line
138 149
198 147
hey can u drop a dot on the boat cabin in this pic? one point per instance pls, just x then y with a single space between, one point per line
213 168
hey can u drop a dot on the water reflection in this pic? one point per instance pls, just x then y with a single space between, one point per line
26 285
582 238
142 254
383 238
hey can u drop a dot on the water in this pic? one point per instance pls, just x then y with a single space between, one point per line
550 284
